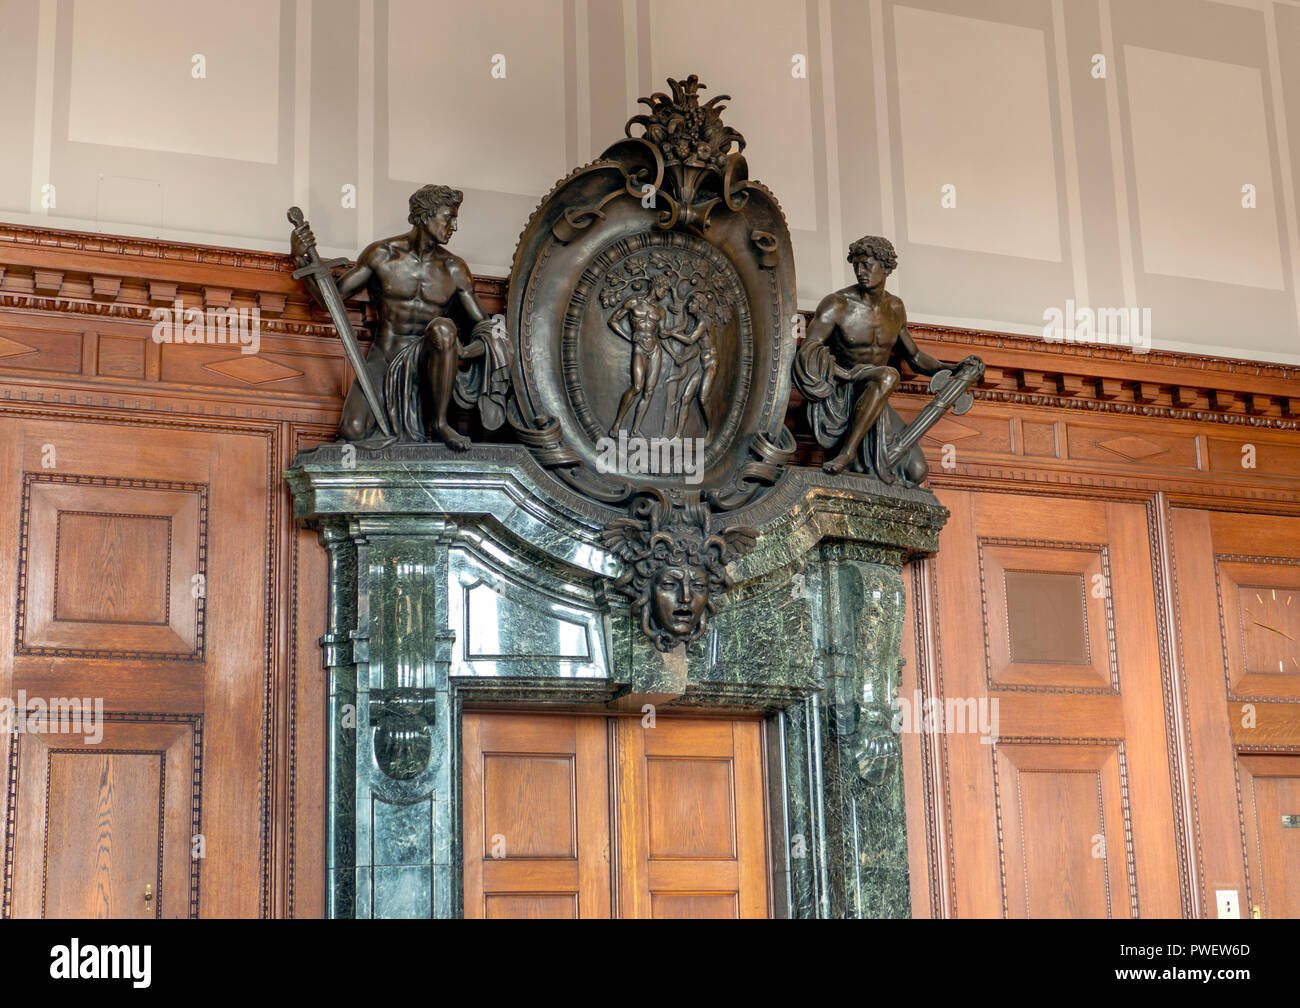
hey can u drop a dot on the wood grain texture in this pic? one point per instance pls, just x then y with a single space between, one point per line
120 467
1273 843
536 816
1229 709
686 836
691 818
1001 845
97 822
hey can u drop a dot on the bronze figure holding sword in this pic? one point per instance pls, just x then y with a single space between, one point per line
404 388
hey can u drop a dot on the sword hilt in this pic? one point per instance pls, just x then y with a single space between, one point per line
298 220
315 265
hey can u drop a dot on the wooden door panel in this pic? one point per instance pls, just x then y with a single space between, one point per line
142 578
535 906
103 817
1238 578
687 834
691 836
1272 785
536 816
1067 831
98 821
1047 608
107 568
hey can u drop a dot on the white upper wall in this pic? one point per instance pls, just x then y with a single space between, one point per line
979 135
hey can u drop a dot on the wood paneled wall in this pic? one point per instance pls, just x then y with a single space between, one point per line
1076 462
1111 514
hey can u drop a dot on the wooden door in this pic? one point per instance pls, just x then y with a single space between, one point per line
536 814
140 586
1060 795
108 822
586 816
691 837
1238 577
1272 811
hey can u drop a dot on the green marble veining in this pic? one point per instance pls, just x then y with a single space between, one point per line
480 578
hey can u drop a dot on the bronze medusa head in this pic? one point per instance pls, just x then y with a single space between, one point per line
674 565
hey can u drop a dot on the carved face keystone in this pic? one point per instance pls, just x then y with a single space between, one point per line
679 597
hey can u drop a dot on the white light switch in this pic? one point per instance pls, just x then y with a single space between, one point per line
1229 907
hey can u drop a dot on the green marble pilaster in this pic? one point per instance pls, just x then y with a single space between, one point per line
341 682
403 762
862 756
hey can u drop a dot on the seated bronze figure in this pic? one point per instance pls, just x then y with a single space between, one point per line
847 368
414 365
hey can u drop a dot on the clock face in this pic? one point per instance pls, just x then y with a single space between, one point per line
1270 628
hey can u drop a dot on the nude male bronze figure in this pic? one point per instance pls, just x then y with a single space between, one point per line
647 315
846 368
413 281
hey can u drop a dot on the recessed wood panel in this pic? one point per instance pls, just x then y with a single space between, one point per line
105 817
1065 829
1039 438
693 906
528 807
120 357
103 826
536 838
47 350
112 568
689 807
687 837
1106 445
107 568
1048 615
91 494
1273 832
691 818
531 906
1229 566
1230 455
1070 755
227 365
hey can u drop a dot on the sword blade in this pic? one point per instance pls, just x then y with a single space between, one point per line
333 302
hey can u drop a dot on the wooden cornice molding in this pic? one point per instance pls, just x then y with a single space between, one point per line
93 268
1186 386
87 276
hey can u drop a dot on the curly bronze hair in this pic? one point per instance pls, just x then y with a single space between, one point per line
877 248
428 200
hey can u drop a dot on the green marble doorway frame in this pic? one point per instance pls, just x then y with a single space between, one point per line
481 580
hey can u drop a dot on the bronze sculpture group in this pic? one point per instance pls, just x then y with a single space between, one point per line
674 326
